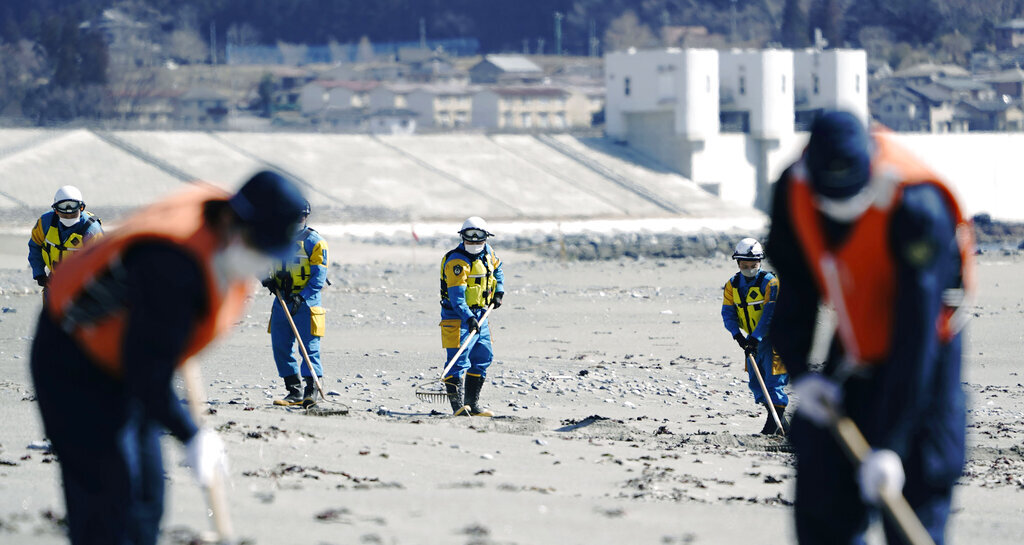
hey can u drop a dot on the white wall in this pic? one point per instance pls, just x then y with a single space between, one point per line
842 79
761 83
422 102
484 112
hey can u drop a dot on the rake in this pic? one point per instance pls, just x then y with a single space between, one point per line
431 393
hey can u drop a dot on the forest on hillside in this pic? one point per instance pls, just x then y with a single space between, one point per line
52 66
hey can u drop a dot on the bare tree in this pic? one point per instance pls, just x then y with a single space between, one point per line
243 34
364 51
627 31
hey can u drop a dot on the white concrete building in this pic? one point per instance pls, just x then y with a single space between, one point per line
521 108
445 106
727 120
320 94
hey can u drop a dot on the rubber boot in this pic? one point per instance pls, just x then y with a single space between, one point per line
294 396
454 387
770 428
310 395
473 386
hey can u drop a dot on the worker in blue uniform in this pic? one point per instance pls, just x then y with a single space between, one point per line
299 280
860 224
60 231
748 302
120 317
471 279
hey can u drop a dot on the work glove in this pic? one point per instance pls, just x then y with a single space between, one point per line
268 283
880 474
740 340
295 303
472 324
750 346
819 398
284 281
205 454
42 280
496 301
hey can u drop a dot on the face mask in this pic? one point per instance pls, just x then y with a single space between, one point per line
66 222
238 261
750 273
474 248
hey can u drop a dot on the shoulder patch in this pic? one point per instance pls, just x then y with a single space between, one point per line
457 270
919 253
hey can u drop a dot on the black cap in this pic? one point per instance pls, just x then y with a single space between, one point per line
271 208
838 155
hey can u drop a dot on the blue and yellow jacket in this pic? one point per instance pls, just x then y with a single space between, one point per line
51 241
748 303
307 268
468 283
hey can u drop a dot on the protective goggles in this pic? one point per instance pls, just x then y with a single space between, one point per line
67 207
474 235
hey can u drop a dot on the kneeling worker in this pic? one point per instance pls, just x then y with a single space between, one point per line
471 279
747 304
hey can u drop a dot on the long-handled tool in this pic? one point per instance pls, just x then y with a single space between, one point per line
215 490
302 347
764 389
895 505
433 395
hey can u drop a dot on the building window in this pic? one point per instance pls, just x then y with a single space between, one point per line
506 119
816 82
783 84
856 83
626 86
707 84
525 120
743 85
560 120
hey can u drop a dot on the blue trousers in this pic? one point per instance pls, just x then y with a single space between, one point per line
478 355
775 383
109 451
289 360
828 506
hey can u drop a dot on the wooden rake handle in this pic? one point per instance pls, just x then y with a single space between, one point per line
215 493
764 389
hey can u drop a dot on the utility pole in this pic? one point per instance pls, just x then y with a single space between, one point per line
558 32
732 35
213 42
423 33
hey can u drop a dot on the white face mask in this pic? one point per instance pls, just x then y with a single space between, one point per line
474 248
750 273
238 261
68 222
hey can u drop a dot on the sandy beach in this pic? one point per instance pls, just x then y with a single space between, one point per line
623 415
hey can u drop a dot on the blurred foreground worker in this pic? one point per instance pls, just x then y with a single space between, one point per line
748 302
299 279
471 279
61 231
862 225
123 314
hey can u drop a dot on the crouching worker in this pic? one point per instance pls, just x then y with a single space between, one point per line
119 318
299 280
747 305
471 279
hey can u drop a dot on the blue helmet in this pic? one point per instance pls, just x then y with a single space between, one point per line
271 208
838 155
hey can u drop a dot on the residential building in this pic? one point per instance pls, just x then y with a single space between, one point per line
990 115
440 106
505 69
1010 35
523 108
927 72
319 94
391 121
201 107
1006 83
901 110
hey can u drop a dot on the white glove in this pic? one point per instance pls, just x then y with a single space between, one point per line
819 398
205 454
880 473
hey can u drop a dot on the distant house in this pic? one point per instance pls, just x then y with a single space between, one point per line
900 110
521 108
938 109
391 121
1006 83
201 107
144 108
990 115
965 88
319 94
441 106
342 119
928 72
391 95
1010 35
505 69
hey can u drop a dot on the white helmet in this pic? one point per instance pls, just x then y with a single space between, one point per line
748 249
68 193
474 229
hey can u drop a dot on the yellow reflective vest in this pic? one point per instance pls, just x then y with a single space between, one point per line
54 249
458 269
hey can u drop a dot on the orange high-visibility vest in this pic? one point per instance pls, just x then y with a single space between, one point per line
855 277
75 299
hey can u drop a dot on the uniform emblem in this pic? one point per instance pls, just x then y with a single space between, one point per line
457 270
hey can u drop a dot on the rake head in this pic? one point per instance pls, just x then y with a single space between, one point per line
432 392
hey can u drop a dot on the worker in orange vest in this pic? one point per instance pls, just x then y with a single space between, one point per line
119 318
860 224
